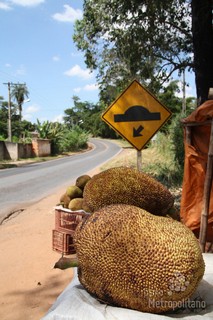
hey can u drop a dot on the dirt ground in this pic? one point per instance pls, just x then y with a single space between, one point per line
29 284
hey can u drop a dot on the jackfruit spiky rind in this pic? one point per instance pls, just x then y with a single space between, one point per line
74 192
133 259
85 207
128 186
82 181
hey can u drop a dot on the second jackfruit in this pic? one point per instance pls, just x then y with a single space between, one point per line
128 186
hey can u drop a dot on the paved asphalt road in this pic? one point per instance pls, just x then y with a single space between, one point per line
30 183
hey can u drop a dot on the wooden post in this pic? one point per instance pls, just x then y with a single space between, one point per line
206 194
139 160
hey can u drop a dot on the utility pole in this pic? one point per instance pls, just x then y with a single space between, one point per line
184 93
9 127
9 132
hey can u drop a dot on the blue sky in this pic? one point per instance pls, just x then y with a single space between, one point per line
37 49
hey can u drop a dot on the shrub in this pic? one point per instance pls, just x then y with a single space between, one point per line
73 140
2 138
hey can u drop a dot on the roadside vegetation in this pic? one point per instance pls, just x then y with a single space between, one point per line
162 158
122 41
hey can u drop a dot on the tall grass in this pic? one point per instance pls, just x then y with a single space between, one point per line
165 167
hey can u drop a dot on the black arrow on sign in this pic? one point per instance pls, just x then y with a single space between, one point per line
137 132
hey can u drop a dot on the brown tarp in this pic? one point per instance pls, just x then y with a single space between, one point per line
198 124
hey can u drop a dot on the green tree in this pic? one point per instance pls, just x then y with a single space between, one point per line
54 131
43 129
144 39
168 95
134 39
50 130
4 119
87 115
19 93
73 140
77 113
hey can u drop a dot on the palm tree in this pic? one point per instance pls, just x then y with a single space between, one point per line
20 92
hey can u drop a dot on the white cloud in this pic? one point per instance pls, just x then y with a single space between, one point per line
76 54
58 118
20 71
27 3
56 58
77 90
27 117
28 113
32 109
180 87
79 72
87 87
91 87
8 65
190 92
69 14
4 6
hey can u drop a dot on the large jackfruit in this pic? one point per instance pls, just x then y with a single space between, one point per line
130 258
128 186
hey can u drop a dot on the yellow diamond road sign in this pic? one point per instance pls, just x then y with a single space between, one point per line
136 115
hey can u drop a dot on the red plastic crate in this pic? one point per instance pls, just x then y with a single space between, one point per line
63 242
66 220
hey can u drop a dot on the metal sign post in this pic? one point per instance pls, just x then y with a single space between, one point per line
139 160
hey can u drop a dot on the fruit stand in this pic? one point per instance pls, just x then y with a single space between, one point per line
133 258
